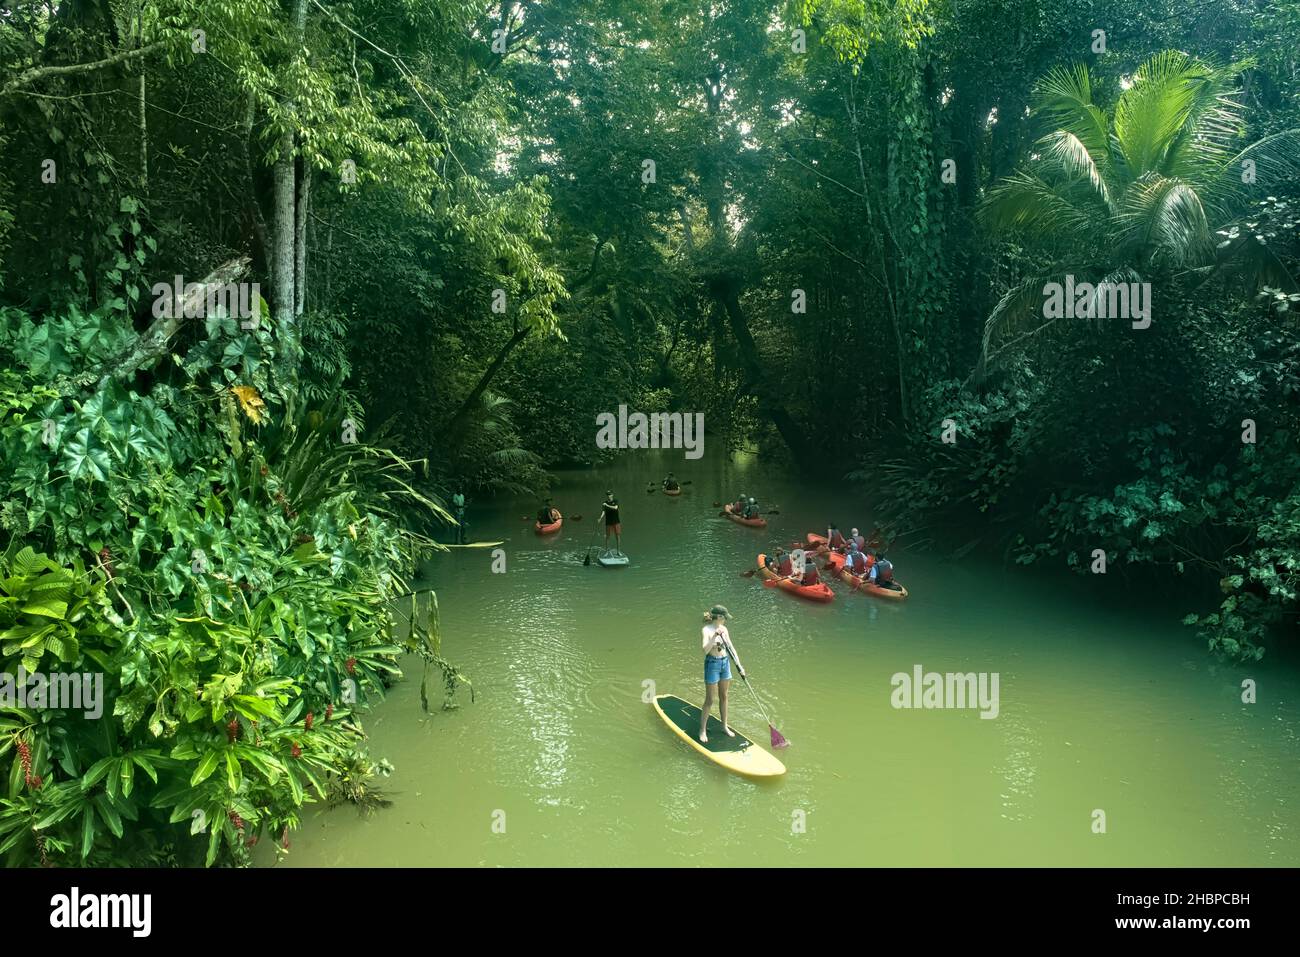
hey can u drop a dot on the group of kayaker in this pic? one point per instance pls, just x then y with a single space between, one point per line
670 484
862 557
745 506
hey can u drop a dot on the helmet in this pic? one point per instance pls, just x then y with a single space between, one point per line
751 500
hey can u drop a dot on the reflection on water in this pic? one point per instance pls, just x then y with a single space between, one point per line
1106 703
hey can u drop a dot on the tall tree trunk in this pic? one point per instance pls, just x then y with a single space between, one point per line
471 400
144 138
758 382
260 236
284 190
302 207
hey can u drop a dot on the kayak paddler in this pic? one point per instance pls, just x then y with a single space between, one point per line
751 508
882 572
609 514
717 667
856 537
833 537
780 563
810 576
547 515
671 484
738 506
853 559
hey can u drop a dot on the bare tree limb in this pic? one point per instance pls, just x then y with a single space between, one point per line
154 341
35 74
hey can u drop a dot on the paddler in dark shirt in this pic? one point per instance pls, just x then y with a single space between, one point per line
547 515
609 512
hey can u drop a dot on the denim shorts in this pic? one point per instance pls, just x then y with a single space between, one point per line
716 669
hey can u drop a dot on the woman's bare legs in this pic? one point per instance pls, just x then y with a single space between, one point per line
704 712
723 685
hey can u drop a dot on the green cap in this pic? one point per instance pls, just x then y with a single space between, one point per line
719 610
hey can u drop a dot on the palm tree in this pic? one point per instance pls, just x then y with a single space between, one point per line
1134 193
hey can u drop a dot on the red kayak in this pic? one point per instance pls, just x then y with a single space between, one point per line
751 522
819 592
541 529
894 590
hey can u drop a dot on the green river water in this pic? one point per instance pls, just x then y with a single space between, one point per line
1105 702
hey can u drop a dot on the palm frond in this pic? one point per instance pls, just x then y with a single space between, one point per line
1165 218
1019 310
1068 154
1063 98
1026 201
1154 110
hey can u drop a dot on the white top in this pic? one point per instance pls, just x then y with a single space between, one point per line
714 634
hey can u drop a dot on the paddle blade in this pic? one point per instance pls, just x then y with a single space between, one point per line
777 740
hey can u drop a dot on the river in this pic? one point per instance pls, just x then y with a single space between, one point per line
1106 703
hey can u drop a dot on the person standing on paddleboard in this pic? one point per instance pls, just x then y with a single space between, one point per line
717 667
609 512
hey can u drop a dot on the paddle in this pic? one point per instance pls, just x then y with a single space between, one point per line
586 562
778 741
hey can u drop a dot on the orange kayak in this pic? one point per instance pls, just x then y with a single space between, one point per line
859 582
541 529
819 592
751 522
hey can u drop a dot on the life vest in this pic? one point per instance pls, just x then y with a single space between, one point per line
837 540
785 567
855 562
810 576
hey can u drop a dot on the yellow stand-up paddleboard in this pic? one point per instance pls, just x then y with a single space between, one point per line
737 754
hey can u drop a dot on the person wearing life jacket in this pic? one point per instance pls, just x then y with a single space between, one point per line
856 537
810 576
738 506
671 484
834 539
751 508
882 572
779 563
853 559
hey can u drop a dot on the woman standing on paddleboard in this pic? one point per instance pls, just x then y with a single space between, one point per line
717 667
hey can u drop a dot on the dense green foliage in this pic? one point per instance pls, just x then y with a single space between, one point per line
826 224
